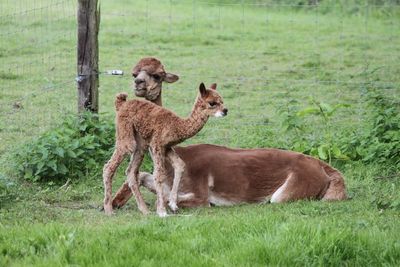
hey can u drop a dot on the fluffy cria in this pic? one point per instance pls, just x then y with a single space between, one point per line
140 123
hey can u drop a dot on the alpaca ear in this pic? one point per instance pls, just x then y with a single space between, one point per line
213 86
171 78
203 90
135 71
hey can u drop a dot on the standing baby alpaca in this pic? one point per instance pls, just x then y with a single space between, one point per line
141 122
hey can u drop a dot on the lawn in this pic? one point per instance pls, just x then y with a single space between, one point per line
270 61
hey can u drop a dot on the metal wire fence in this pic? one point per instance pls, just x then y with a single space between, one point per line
37 55
265 55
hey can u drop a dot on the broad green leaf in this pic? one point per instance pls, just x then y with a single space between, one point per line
314 152
326 107
62 168
307 111
60 152
79 152
28 173
75 144
71 154
322 152
45 153
39 167
52 164
336 151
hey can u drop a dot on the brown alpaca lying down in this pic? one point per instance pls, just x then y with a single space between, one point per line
220 176
141 124
256 175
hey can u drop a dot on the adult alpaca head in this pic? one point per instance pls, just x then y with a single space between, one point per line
149 74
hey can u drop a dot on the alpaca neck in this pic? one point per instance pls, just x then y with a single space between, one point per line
158 100
195 122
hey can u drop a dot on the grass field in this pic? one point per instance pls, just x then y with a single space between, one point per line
265 59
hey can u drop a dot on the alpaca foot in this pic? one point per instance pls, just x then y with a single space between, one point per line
108 210
173 206
144 210
162 213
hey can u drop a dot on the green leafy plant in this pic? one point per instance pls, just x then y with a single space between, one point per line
327 148
324 147
294 127
380 139
78 146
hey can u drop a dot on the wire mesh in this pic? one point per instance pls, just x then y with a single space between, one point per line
263 54
37 70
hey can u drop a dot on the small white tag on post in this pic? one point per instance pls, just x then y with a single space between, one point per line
115 72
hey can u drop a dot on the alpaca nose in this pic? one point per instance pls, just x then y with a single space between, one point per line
139 81
225 111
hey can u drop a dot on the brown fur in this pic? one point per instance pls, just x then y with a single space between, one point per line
150 65
247 176
140 122
251 176
145 85
120 99
252 172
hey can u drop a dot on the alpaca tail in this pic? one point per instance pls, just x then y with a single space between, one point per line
336 189
120 99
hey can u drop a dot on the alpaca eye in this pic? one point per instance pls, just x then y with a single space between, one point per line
212 104
134 75
156 77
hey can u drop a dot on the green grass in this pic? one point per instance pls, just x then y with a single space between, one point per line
52 226
261 58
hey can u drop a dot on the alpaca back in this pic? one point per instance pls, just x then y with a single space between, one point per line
145 118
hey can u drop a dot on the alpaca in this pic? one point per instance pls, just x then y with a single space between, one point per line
140 123
149 74
222 176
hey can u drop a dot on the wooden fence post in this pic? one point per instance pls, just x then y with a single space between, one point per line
88 55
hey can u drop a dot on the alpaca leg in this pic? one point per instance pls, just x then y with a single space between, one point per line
147 180
161 211
124 193
122 196
130 164
108 172
179 166
159 176
133 175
